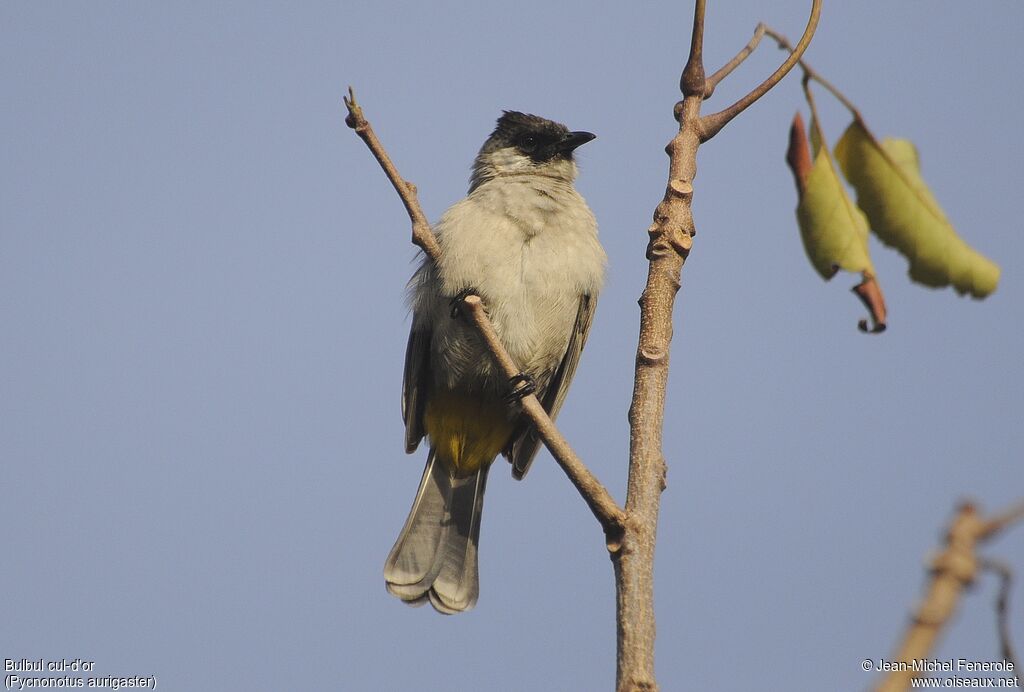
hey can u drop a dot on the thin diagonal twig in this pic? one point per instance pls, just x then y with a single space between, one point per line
670 240
814 74
1005 574
422 236
712 124
737 60
593 492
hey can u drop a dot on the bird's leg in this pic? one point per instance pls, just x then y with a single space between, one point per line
521 385
456 303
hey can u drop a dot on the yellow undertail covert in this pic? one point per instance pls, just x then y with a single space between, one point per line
466 430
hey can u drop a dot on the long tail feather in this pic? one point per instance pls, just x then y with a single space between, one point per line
435 556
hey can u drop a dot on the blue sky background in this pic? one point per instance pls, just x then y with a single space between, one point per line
201 293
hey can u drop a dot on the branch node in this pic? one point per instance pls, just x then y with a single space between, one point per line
680 188
961 565
613 536
657 249
681 241
692 81
653 356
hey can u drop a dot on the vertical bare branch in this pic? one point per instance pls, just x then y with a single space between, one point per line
670 241
671 237
692 79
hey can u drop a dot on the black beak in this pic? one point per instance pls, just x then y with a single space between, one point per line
573 140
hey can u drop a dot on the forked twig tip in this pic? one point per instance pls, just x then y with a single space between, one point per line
355 112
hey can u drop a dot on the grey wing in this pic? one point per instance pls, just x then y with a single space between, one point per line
414 386
525 441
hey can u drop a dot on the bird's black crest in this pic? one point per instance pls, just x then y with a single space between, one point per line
513 124
532 135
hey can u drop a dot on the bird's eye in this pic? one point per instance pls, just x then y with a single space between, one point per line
528 143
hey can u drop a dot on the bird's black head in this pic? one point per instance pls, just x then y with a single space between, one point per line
523 144
535 137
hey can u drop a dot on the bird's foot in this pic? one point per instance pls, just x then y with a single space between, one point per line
456 303
521 385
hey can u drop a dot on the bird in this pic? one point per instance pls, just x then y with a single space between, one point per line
525 241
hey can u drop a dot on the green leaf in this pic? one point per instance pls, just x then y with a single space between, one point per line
904 214
834 230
